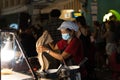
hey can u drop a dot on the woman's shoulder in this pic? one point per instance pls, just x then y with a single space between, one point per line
75 39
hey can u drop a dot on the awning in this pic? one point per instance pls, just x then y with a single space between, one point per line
15 9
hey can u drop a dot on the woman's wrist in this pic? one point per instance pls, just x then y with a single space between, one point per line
48 51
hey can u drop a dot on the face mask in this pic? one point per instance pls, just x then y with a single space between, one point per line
66 36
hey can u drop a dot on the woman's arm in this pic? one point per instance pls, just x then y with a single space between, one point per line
53 47
56 55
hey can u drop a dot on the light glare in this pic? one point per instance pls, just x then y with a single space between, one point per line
7 55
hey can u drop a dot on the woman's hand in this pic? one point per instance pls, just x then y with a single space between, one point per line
41 49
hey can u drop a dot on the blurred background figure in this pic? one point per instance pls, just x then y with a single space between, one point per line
52 25
110 38
84 34
99 45
28 42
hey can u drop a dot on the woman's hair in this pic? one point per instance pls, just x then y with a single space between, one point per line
82 20
72 31
112 25
55 13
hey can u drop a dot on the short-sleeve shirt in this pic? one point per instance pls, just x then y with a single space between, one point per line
74 48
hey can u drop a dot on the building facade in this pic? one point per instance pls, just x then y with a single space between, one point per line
13 6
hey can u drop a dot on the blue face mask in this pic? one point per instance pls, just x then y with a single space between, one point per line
66 36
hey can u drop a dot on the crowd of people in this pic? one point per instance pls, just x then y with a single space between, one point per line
107 43
74 40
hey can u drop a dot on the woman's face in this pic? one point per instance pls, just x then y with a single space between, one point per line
65 34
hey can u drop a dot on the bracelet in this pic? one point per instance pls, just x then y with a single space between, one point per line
48 51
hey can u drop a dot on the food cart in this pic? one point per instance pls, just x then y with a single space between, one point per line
14 63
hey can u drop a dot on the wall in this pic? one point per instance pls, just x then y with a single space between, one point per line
105 5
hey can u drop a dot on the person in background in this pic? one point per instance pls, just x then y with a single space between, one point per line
84 34
28 42
52 25
37 28
70 46
99 45
110 38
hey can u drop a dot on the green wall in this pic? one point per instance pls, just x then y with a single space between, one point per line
105 5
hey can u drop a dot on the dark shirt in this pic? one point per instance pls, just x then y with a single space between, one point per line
29 44
52 26
86 44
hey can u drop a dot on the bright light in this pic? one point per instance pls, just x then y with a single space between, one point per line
14 26
66 14
7 52
7 55
110 14
107 16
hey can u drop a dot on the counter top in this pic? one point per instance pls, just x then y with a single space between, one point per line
16 76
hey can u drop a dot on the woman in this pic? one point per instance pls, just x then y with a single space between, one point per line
110 38
69 45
